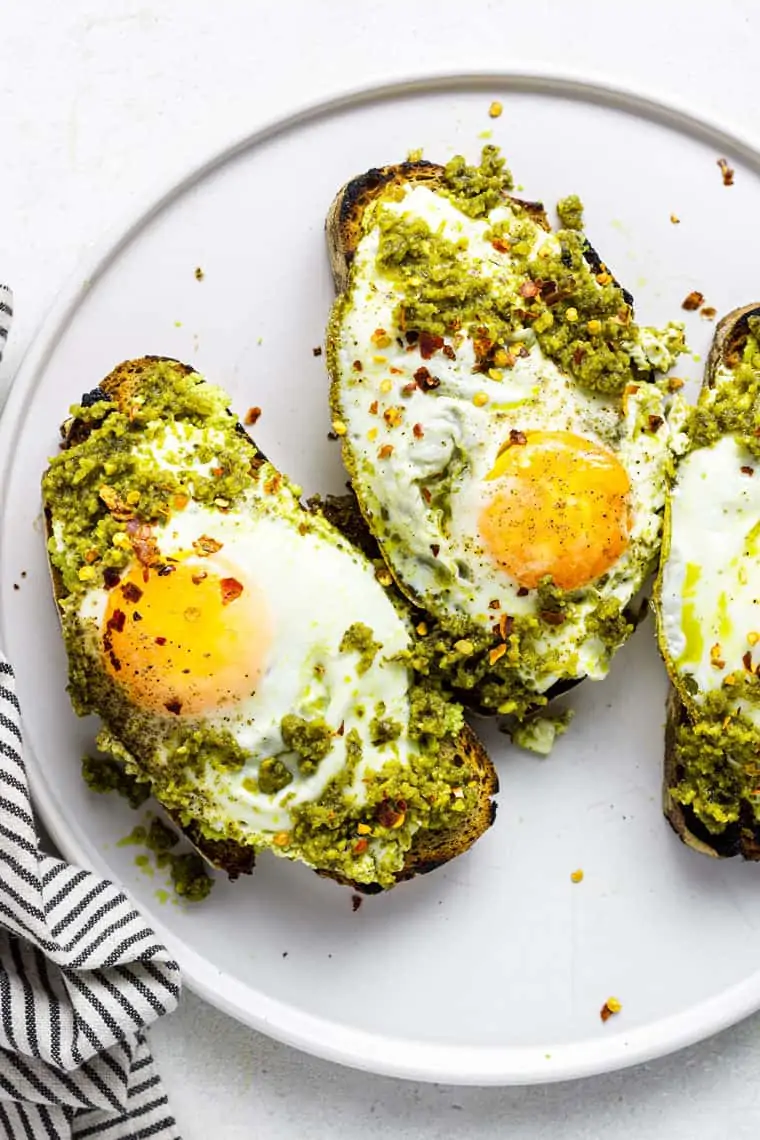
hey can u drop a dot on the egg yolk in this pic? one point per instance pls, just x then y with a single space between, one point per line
191 638
561 508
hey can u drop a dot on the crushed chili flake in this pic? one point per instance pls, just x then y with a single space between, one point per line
523 592
136 616
747 470
610 1007
726 171
578 355
390 814
252 416
231 589
708 312
174 706
386 451
361 846
517 438
373 408
206 545
120 510
143 543
494 604
424 380
429 344
357 366
199 577
551 617
412 337
448 352
435 548
116 620
131 592
418 431
317 350
500 245
506 622
409 389
655 423
747 661
160 641
356 902
426 494
111 577
692 301
396 371
675 383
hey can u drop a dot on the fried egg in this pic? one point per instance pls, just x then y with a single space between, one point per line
483 482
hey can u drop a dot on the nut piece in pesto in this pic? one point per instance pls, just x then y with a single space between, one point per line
502 426
706 603
250 669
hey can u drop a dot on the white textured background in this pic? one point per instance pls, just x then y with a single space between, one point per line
102 99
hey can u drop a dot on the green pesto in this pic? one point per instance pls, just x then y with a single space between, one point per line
136 837
718 760
580 315
103 482
382 729
539 733
160 837
190 879
570 212
311 739
732 407
274 775
611 623
102 774
477 190
359 638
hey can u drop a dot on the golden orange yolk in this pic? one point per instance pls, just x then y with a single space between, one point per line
186 641
561 508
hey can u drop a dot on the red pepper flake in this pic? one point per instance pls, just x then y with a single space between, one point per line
747 470
708 312
116 620
409 389
111 577
529 289
342 728
500 246
417 431
356 902
206 545
373 408
396 371
523 592
578 355
137 616
424 380
655 423
231 589
143 543
495 604
252 416
174 706
506 622
747 661
412 337
426 494
435 548
357 366
317 351
726 171
160 641
609 1009
551 617
693 301
390 813
429 344
517 438
131 592
361 846
201 576
448 352
481 346
217 472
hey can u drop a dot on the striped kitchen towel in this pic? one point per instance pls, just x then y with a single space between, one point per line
81 976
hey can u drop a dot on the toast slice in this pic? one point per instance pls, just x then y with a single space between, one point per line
129 383
689 727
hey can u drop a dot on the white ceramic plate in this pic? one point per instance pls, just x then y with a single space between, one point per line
494 969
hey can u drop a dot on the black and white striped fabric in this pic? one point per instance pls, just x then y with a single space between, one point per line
81 976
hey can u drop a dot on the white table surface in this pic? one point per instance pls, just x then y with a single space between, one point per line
99 101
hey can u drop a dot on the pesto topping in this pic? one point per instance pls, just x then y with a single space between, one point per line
718 760
570 212
130 471
359 638
102 774
539 733
189 876
312 740
274 775
732 406
476 190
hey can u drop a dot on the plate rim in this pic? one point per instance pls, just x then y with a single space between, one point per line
359 1049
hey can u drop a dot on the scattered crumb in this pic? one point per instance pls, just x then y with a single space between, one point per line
727 172
252 416
695 356
708 312
485 135
16 586
675 383
178 324
317 351
260 340
576 876
23 573
414 155
199 274
356 902
284 953
547 1056
610 1007
495 109
675 220
693 301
